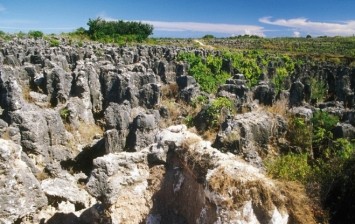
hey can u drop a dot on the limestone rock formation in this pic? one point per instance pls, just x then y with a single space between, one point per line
20 192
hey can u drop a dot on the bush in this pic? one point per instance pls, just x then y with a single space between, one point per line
300 133
35 34
319 90
215 109
290 167
113 31
208 73
208 36
64 114
54 43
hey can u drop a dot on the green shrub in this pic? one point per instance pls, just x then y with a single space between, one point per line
208 36
114 31
54 42
319 90
35 34
216 107
279 78
300 132
323 123
64 114
208 73
290 167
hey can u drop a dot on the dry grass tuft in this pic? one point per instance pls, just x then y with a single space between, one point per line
169 91
83 134
26 94
279 107
297 203
42 175
6 135
236 192
189 141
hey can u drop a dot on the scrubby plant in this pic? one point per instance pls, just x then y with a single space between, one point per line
319 90
290 167
323 123
300 132
64 114
35 34
118 31
208 73
216 108
54 42
279 78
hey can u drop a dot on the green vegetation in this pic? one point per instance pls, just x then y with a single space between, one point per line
64 114
290 167
216 108
208 36
118 31
300 133
208 73
327 169
35 34
319 90
54 42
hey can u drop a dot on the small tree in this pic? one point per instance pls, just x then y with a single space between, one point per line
35 34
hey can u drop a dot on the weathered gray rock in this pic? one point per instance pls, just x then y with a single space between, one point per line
120 181
250 134
117 116
344 130
185 81
11 92
20 192
66 189
192 164
142 132
58 85
115 140
264 94
149 95
56 129
296 94
34 130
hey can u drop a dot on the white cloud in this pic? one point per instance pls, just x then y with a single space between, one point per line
296 34
346 28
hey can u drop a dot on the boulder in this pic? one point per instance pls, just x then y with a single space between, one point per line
296 94
264 94
20 192
120 182
250 134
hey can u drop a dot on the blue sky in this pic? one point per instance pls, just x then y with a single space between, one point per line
187 18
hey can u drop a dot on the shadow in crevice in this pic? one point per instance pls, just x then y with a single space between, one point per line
83 162
92 215
181 198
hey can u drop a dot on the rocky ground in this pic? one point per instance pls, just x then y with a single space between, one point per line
88 136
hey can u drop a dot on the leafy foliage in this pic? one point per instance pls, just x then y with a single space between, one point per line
215 109
118 31
319 90
208 73
300 132
290 167
35 34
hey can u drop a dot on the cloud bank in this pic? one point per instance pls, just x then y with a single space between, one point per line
304 25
